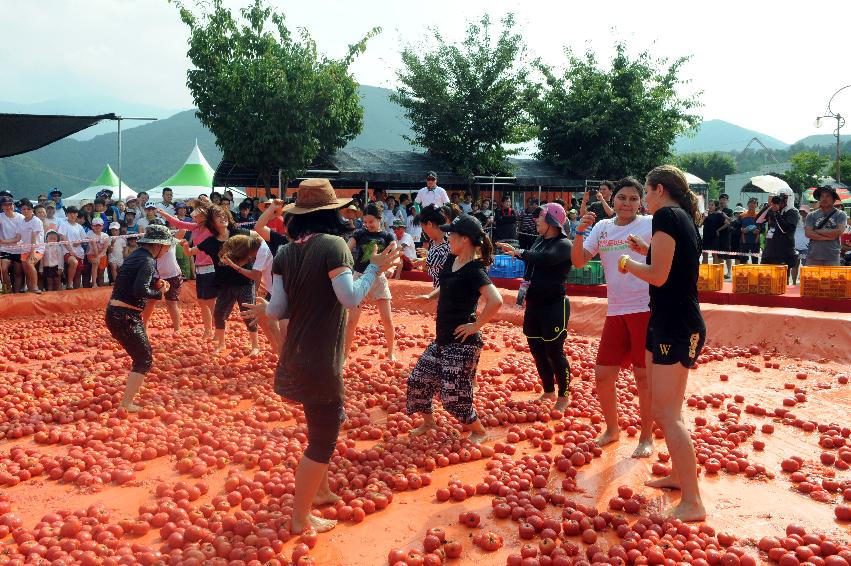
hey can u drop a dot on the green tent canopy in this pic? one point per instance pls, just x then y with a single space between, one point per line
106 180
193 178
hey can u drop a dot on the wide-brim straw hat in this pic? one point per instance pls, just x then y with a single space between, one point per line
315 195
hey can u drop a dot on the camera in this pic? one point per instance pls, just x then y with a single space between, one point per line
777 199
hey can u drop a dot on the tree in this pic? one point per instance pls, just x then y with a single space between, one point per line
844 168
707 165
466 102
806 170
607 123
270 98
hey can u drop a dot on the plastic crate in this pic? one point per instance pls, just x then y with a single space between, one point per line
506 267
710 277
826 282
591 274
760 279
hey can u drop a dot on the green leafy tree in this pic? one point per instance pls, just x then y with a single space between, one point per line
610 122
707 165
269 97
467 102
806 170
844 168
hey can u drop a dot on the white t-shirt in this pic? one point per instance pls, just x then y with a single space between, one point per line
29 227
801 240
100 242
263 263
466 207
74 233
142 223
406 242
437 197
116 255
416 231
54 255
167 266
627 294
9 227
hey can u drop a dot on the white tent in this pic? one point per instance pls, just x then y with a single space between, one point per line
694 179
192 179
107 180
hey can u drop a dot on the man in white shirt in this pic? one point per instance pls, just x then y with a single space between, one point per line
150 216
167 205
10 253
74 234
56 196
467 203
32 234
406 244
431 193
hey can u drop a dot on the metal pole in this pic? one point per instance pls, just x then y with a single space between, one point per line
280 192
119 158
539 195
838 168
493 190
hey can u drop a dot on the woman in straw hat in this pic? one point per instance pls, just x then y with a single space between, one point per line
312 286
132 289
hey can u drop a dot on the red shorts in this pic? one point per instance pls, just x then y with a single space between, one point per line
623 340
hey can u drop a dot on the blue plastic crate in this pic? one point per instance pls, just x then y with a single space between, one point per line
506 267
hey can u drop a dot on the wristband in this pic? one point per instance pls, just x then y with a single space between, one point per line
622 262
583 234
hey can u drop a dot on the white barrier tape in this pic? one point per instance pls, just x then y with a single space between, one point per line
750 254
23 248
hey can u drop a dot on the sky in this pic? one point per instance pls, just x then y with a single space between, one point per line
767 66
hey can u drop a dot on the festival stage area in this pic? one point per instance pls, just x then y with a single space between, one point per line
772 385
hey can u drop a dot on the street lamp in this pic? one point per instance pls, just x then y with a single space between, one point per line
840 121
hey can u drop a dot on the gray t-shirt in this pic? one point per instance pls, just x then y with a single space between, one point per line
825 249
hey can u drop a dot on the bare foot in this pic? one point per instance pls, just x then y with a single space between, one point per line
607 437
644 448
420 430
313 522
668 482
207 336
477 437
562 403
391 357
546 397
218 348
689 512
132 408
254 352
326 498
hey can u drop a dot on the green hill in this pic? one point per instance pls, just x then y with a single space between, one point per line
822 140
718 135
153 152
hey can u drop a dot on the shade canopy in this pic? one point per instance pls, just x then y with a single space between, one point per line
107 180
27 132
694 179
193 178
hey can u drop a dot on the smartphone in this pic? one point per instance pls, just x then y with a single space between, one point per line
592 195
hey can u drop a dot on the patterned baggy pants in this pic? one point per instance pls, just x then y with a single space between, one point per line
449 369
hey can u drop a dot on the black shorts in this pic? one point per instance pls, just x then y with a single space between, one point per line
791 261
52 271
14 258
547 321
668 350
174 283
205 286
323 429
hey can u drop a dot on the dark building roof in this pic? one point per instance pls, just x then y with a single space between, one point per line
398 167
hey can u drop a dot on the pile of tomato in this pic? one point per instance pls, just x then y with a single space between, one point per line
217 417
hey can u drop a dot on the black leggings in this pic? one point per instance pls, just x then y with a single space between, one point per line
226 298
323 429
551 363
127 328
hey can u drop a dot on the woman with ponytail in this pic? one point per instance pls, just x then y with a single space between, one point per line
676 331
448 365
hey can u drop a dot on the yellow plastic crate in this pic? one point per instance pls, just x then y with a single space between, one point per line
710 277
760 279
826 282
